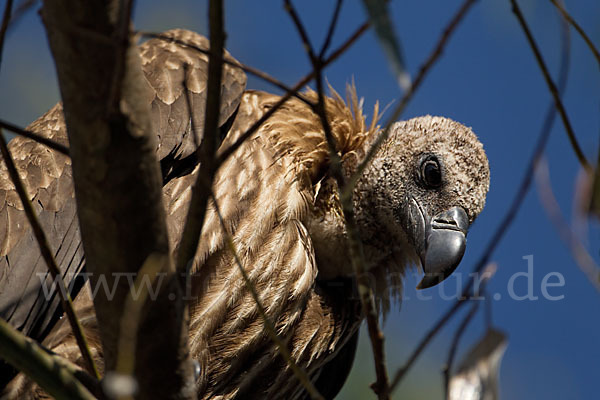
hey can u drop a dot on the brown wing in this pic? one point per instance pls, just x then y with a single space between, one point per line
178 76
25 301
265 197
175 74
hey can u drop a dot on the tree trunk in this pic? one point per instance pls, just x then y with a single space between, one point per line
118 186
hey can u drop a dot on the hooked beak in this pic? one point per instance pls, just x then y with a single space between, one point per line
440 242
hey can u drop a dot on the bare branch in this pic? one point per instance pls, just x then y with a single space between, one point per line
331 30
55 377
224 154
35 137
551 86
207 150
578 28
118 186
582 257
354 242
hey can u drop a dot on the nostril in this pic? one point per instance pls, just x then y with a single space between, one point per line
447 221
454 219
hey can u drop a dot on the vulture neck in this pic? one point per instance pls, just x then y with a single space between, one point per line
385 250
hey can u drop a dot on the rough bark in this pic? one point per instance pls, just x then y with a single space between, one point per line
118 187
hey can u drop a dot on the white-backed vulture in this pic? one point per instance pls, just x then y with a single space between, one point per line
413 204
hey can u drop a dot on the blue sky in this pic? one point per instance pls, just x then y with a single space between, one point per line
487 78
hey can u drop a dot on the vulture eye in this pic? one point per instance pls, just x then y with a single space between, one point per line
431 173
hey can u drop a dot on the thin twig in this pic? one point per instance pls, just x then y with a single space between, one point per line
130 322
35 137
20 10
454 345
301 30
224 154
584 261
578 28
5 21
365 290
207 150
121 38
423 70
55 377
300 374
40 236
551 86
331 30
506 221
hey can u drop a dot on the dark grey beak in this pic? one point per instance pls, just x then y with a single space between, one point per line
443 245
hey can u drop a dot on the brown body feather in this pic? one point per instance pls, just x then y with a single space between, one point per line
266 194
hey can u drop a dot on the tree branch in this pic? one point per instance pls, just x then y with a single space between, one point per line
578 28
118 187
551 86
582 258
35 137
207 150
354 242
55 377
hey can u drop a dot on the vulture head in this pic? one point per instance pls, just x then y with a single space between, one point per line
424 188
